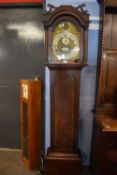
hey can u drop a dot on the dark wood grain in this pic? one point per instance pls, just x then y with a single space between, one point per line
107 79
63 156
65 93
112 3
107 30
104 141
114 31
111 79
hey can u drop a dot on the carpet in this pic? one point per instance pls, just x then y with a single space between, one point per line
11 163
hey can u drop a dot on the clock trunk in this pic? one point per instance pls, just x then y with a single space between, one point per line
63 153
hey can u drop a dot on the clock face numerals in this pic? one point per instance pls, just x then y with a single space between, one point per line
66 42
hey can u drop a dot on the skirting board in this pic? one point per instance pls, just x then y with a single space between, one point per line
10 149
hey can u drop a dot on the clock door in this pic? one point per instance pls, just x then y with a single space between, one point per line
65 56
65 93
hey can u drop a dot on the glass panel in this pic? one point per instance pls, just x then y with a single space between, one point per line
25 130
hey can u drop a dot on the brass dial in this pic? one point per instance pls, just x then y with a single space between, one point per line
66 42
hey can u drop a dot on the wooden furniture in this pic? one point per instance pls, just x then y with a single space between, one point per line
30 101
65 55
105 118
104 143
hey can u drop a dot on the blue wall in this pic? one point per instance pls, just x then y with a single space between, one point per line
88 79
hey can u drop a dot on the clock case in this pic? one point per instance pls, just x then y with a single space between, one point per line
63 156
54 16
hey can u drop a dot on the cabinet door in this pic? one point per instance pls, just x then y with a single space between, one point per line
107 30
98 159
114 32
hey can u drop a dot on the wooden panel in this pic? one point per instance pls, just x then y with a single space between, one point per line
64 164
112 3
64 92
104 139
97 149
64 110
108 64
107 30
110 86
114 32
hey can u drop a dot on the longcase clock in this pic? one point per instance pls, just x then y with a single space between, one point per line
65 55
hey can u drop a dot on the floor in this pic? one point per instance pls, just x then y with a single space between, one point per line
85 172
11 163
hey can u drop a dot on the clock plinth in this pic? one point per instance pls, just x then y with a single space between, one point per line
65 55
58 163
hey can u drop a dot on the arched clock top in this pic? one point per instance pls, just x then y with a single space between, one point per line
78 13
66 29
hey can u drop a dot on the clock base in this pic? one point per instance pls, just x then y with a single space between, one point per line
60 163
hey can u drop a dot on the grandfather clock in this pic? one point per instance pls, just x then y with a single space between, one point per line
65 55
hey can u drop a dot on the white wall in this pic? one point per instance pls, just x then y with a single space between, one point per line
88 77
